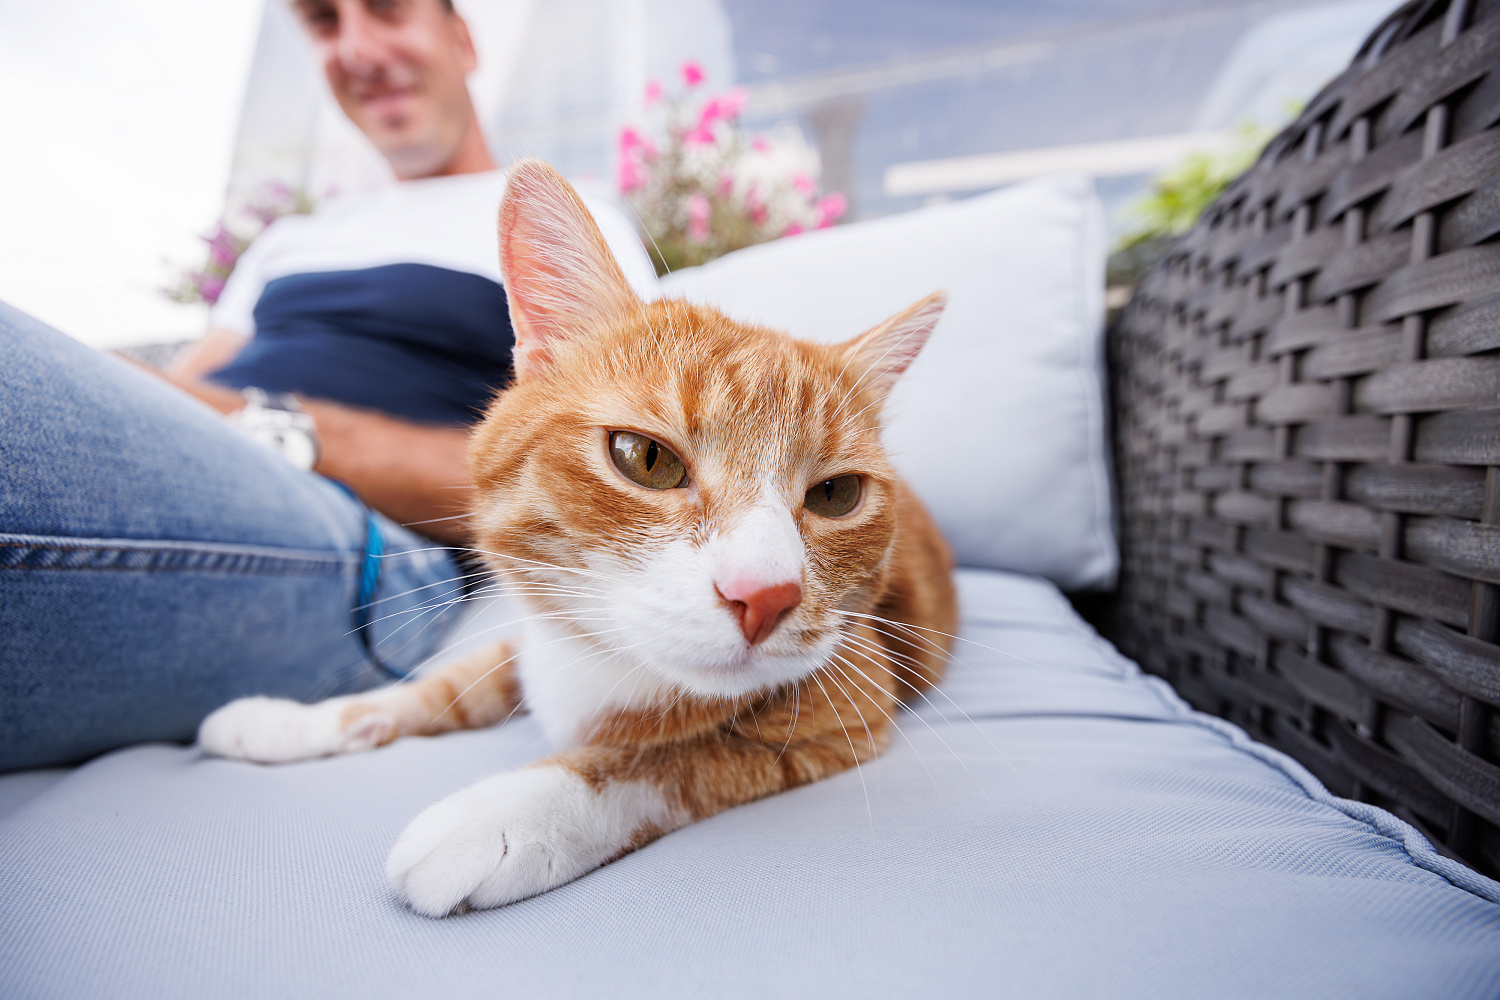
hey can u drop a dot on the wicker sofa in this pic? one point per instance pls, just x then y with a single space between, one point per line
1307 429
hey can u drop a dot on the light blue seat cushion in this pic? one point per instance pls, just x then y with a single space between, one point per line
1053 824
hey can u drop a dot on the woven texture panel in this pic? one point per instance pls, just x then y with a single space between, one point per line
1307 394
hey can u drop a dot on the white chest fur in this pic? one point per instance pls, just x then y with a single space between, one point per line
567 682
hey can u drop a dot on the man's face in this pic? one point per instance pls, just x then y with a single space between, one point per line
398 69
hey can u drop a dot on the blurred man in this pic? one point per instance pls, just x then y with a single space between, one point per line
390 304
157 560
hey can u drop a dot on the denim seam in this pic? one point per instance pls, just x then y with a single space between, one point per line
40 552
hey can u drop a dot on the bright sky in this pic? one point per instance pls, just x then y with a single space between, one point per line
118 120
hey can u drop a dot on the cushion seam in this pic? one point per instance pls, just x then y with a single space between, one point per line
1412 843
1090 346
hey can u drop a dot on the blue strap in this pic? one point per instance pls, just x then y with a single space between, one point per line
369 570
369 577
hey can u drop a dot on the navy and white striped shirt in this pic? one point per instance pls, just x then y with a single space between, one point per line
390 302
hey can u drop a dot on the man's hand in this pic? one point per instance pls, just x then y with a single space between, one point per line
224 400
415 474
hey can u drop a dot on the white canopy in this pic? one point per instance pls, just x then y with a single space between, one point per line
556 79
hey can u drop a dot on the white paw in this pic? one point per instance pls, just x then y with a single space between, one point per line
515 835
274 730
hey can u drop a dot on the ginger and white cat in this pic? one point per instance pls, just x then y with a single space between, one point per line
732 590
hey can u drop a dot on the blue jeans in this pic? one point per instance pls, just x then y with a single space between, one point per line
155 563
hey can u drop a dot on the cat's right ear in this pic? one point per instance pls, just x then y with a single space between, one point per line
877 357
560 278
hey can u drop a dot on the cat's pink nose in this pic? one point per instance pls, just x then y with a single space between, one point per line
757 607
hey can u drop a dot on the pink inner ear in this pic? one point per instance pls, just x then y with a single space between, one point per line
890 348
560 277
525 280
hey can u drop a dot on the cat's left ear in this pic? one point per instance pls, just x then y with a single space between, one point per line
560 278
877 357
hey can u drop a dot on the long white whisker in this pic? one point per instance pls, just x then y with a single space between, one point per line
791 732
890 718
436 520
457 698
869 810
979 729
935 646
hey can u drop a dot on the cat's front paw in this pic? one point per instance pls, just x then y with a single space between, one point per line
515 835
275 730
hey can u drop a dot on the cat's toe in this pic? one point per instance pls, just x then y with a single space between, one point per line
276 731
506 838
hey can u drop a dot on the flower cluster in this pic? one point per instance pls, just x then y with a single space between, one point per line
226 242
708 189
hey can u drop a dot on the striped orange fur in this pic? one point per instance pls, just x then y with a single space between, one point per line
695 646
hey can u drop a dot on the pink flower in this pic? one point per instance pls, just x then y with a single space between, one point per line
221 249
802 183
725 185
699 211
692 73
654 92
635 152
702 135
732 103
630 175
758 210
726 108
631 141
791 230
831 209
209 286
760 145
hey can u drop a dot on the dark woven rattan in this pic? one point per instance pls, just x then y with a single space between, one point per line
1307 400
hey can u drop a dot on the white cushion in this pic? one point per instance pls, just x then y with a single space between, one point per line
1049 823
999 425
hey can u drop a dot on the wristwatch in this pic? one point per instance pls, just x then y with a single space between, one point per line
279 422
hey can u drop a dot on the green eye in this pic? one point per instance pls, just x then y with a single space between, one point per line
645 462
834 497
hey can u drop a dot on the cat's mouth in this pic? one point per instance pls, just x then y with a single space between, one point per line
734 670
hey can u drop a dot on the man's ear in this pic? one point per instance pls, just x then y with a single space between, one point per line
468 56
560 278
877 357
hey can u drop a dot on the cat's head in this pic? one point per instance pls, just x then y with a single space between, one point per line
707 498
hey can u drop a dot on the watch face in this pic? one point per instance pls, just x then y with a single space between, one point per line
289 434
296 445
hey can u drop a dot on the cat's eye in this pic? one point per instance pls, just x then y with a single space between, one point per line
834 497
645 462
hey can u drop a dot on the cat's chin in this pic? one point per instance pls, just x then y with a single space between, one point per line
745 671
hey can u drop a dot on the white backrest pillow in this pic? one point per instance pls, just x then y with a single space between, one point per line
1000 423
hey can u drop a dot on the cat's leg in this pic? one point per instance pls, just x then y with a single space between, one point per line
472 692
520 833
523 832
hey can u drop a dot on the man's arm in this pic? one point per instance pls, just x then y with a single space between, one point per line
208 353
414 474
